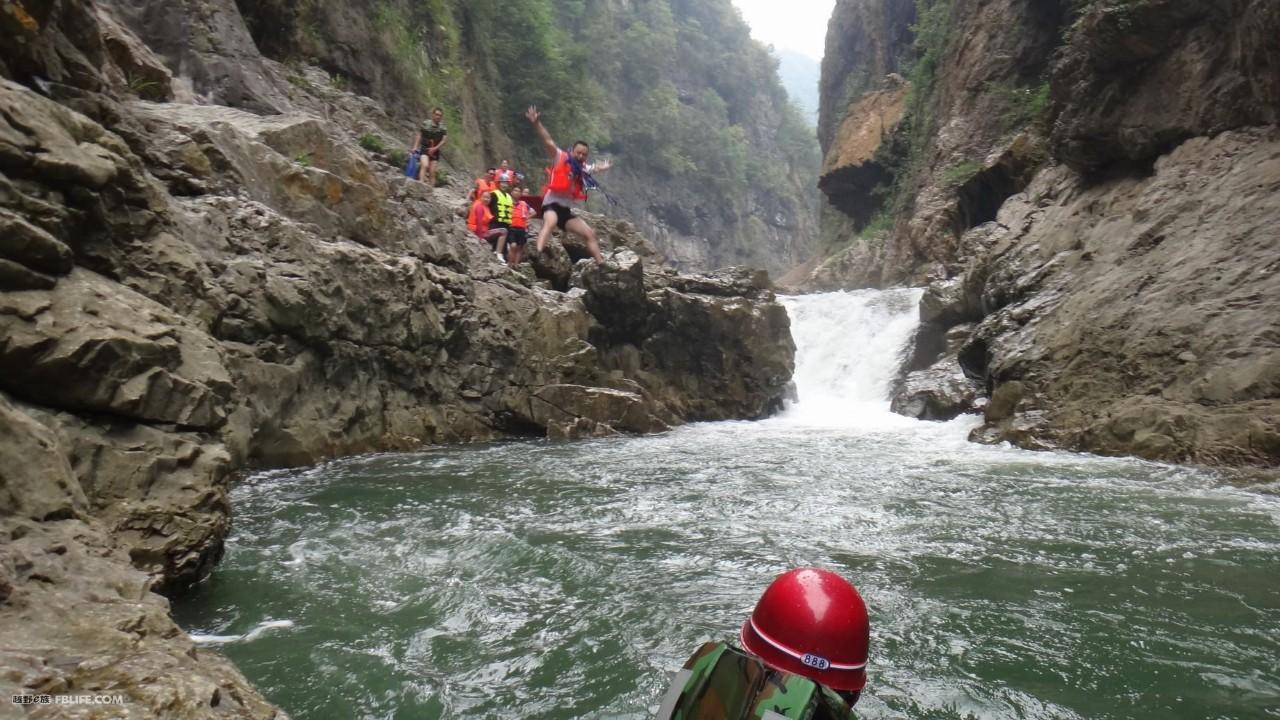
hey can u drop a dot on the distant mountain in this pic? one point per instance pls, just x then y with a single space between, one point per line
800 74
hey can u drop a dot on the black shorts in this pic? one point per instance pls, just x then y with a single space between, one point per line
517 236
563 214
431 154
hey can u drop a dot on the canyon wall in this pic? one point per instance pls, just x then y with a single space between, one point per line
1088 189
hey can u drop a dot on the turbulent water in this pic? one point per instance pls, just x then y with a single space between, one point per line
565 580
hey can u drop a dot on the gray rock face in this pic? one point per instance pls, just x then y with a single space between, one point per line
1138 316
1170 71
189 290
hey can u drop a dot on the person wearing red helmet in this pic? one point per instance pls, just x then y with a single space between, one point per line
804 657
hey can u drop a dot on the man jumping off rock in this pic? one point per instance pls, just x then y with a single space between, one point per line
570 180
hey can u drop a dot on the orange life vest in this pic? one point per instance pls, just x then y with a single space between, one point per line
479 218
563 180
520 215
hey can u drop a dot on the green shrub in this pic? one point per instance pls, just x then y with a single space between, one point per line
960 173
1022 106
143 88
372 143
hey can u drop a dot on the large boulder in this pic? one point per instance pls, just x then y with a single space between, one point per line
853 170
1135 79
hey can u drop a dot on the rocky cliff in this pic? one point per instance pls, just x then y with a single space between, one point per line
712 163
1088 189
188 289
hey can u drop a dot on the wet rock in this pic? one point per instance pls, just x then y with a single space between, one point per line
19 277
616 296
70 588
208 39
293 163
22 242
942 390
553 264
575 411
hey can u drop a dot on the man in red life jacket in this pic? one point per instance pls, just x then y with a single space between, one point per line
566 187
485 183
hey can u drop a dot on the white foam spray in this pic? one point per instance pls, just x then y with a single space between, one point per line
262 629
849 346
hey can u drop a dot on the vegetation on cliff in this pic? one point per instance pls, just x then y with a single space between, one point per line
713 159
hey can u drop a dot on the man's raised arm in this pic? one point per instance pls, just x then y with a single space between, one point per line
532 114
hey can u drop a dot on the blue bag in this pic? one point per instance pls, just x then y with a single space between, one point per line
411 168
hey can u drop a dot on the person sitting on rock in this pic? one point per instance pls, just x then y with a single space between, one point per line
570 180
501 204
519 233
803 657
431 139
479 219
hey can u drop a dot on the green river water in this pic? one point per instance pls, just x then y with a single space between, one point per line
566 580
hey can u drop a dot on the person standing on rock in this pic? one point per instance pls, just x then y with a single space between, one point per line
501 205
569 183
431 139
479 219
519 233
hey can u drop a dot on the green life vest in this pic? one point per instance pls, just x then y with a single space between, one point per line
721 682
502 204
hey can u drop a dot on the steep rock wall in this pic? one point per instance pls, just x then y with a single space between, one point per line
189 289
1053 177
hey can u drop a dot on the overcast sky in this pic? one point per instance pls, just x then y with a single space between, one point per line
799 25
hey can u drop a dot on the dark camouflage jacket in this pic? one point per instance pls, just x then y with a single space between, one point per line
721 682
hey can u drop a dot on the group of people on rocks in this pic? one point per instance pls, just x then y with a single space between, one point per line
500 213
501 209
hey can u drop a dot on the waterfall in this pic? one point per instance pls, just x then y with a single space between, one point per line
849 346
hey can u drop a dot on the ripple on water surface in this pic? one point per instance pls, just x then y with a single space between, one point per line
562 581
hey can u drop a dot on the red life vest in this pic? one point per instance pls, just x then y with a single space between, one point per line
520 215
563 179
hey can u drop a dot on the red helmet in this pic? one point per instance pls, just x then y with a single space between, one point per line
812 622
